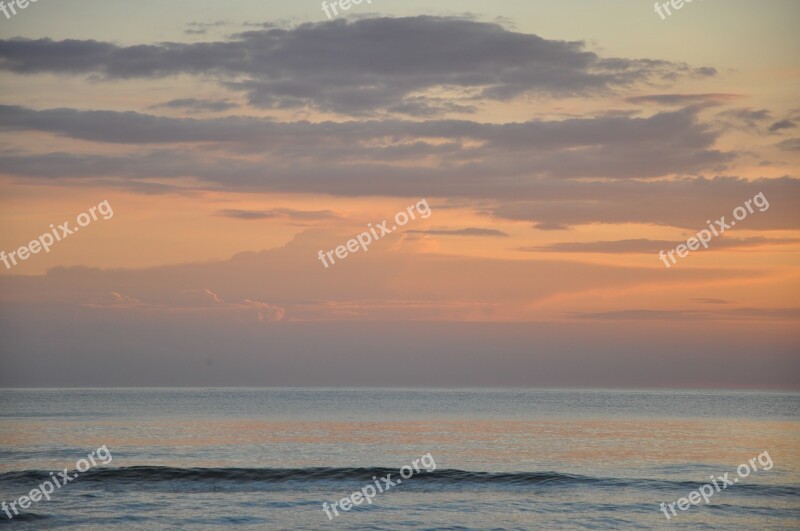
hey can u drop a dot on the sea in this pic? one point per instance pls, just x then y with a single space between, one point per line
269 458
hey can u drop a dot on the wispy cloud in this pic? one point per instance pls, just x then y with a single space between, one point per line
792 144
713 301
197 105
278 213
470 231
784 314
191 301
781 125
642 245
680 100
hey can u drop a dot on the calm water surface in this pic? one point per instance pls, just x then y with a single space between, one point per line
505 459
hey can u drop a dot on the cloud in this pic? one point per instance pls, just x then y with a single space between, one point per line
248 214
204 295
215 309
738 314
713 301
525 171
749 118
389 282
202 28
548 204
783 124
117 300
792 144
614 147
683 203
681 100
652 246
198 302
470 231
550 225
360 66
265 312
278 213
197 105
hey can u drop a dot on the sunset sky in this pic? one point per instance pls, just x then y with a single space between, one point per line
559 144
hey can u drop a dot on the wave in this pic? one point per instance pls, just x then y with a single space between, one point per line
443 477
164 473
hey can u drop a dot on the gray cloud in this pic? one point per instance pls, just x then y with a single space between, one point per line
249 214
748 118
684 203
549 204
470 231
614 146
783 314
684 99
651 246
783 124
792 144
748 114
202 28
278 213
360 66
194 104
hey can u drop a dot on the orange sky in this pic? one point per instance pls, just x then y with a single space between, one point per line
555 170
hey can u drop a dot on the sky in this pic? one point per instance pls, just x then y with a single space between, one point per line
557 148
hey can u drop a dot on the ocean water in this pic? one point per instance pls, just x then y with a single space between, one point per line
499 459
